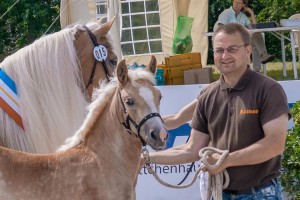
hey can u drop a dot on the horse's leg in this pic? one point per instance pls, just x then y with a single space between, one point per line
141 165
134 185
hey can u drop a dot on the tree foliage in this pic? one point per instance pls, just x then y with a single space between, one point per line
25 22
290 178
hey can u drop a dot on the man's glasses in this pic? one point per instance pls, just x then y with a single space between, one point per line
231 49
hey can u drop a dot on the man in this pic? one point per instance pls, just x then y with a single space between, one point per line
236 14
243 112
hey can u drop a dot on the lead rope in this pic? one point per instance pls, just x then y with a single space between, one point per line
145 153
216 182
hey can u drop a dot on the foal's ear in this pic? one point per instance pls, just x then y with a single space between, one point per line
122 72
152 65
106 26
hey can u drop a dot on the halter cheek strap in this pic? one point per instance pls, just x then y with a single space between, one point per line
128 119
94 40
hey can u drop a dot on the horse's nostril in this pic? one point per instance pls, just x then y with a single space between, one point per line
153 135
166 137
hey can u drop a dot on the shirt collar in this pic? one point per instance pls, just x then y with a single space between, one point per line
241 84
233 11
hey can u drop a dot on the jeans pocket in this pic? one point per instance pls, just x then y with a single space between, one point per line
273 192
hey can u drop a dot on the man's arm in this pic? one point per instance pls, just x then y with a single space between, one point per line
183 116
270 146
184 153
252 16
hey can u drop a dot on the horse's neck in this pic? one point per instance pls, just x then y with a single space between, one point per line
109 139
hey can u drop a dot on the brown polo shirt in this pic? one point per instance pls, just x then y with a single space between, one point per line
234 117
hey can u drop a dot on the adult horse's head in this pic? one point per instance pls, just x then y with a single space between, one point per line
95 52
140 102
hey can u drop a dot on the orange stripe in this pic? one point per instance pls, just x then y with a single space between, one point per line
8 95
11 112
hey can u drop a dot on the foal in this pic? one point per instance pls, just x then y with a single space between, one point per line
101 160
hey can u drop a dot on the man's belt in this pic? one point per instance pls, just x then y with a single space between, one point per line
250 191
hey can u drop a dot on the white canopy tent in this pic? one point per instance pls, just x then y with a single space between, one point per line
82 11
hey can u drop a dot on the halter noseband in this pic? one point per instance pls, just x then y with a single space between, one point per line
128 119
94 40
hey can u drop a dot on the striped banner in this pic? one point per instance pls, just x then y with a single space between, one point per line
9 99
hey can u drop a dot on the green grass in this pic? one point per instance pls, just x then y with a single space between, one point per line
274 70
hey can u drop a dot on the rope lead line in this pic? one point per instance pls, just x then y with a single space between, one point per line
145 153
216 182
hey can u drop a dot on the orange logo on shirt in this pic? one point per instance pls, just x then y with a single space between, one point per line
247 112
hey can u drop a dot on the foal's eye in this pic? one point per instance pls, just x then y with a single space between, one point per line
129 102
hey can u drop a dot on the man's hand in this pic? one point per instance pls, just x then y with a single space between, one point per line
248 10
212 160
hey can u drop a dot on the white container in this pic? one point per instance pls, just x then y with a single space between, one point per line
290 22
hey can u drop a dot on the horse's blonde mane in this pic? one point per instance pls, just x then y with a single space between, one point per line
49 82
101 97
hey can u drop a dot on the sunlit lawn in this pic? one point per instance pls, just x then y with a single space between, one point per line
274 70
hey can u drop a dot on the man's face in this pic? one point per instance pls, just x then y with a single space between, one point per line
231 54
238 5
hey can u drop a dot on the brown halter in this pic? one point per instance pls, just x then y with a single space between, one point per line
103 62
128 119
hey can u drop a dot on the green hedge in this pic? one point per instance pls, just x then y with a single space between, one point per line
290 177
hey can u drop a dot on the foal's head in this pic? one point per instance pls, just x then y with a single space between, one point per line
140 102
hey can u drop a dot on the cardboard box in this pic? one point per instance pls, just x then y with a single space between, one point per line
198 76
174 75
183 59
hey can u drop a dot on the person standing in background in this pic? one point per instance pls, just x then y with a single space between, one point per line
236 14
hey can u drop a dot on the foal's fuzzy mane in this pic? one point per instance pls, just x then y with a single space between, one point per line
101 98
46 71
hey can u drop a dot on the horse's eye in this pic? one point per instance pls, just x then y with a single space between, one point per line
114 62
129 102
160 97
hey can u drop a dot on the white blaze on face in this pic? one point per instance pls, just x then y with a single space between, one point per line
147 94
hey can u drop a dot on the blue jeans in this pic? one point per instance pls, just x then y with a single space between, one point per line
271 192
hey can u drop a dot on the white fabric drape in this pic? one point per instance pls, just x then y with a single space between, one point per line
196 9
77 11
113 10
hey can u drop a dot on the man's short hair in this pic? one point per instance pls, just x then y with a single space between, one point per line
232 28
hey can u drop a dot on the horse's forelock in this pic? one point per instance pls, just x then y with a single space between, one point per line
92 26
140 74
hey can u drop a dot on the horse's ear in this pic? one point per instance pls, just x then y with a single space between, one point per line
152 65
106 26
122 72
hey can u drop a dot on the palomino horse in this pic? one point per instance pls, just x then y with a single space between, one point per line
101 161
54 77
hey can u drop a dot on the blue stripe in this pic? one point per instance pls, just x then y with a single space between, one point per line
8 81
183 130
